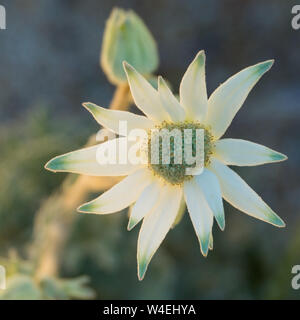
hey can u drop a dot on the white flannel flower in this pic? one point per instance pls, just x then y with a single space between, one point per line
156 191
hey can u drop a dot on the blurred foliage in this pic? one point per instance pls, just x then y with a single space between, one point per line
25 147
23 287
22 284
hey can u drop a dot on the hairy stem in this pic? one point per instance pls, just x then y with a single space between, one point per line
55 217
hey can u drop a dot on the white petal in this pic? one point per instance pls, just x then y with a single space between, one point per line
239 152
237 192
226 101
121 195
169 102
210 187
156 226
145 96
180 213
193 94
200 213
110 119
84 161
145 203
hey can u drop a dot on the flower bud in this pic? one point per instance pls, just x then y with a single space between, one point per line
126 38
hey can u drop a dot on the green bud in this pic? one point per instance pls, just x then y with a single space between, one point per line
126 38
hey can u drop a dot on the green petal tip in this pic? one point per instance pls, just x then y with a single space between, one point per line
91 107
88 105
278 222
265 66
55 164
127 67
200 57
276 156
142 268
131 224
204 246
221 223
86 208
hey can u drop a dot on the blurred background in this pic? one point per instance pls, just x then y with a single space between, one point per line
49 65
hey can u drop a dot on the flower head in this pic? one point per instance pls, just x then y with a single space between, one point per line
156 190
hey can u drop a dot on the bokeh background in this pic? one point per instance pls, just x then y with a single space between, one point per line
49 65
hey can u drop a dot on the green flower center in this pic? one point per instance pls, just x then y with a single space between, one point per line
169 144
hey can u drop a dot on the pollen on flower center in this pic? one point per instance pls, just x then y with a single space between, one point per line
174 171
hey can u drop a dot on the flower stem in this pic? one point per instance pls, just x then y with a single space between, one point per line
55 217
